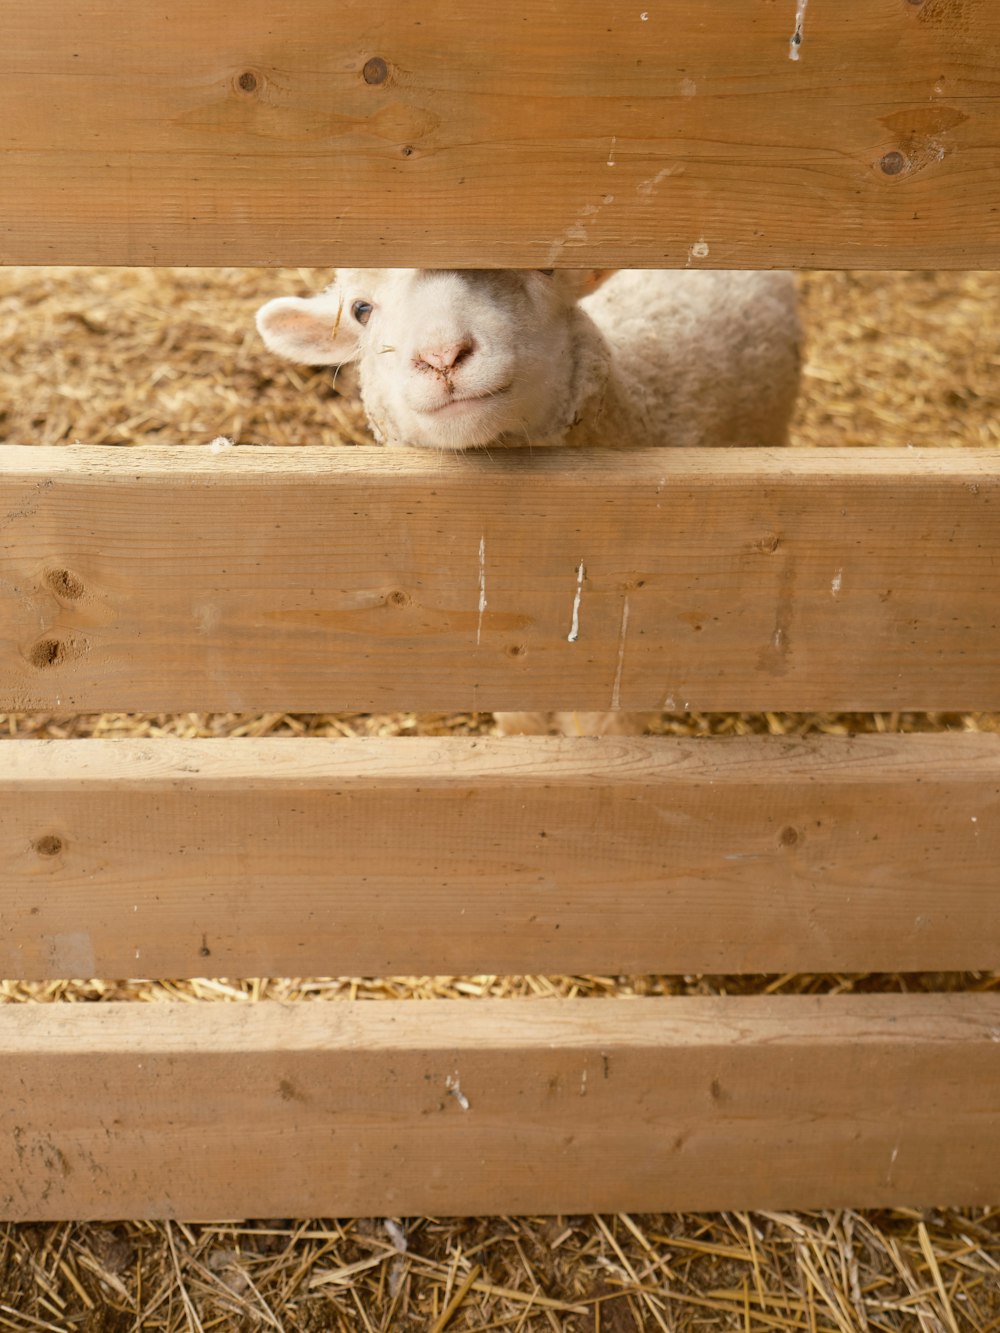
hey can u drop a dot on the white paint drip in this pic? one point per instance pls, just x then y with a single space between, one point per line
795 42
835 586
574 629
455 1088
611 151
891 1166
482 588
616 689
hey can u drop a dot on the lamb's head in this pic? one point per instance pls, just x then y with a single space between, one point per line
453 359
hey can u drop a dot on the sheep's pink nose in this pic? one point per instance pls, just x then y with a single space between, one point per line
445 358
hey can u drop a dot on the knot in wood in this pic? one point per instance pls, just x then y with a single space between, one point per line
64 584
375 70
892 163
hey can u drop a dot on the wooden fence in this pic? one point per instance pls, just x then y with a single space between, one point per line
312 580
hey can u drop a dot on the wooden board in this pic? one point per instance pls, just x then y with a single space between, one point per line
316 1110
459 855
365 579
646 133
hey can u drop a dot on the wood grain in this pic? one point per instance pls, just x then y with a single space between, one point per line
458 855
311 580
596 132
454 1107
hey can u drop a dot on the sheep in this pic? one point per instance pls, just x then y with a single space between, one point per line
464 359
479 358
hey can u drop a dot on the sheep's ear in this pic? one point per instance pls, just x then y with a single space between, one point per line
315 330
575 283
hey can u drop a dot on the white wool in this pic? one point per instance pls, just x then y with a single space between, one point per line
701 357
457 359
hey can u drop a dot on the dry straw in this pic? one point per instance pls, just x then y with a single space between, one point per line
132 356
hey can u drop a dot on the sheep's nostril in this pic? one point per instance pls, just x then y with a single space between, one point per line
445 358
465 350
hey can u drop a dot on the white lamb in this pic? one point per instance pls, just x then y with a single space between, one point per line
459 359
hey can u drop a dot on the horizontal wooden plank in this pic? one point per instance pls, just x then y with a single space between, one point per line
459 855
314 580
232 1110
654 136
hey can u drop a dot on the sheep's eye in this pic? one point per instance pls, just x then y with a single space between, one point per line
361 310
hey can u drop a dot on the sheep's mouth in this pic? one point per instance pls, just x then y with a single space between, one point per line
467 403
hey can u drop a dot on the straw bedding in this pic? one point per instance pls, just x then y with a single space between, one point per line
132 356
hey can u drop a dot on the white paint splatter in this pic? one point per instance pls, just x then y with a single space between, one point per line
207 617
482 587
74 954
698 251
670 703
455 1088
574 629
688 88
795 42
611 151
220 443
616 689
645 16
835 586
648 186
576 233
